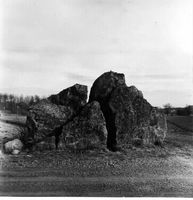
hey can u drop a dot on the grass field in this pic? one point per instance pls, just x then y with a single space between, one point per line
184 122
133 172
13 118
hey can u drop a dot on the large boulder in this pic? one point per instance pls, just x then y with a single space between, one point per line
46 117
114 116
85 131
101 91
153 133
104 85
125 110
130 109
74 97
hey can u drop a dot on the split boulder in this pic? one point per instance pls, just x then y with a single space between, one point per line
47 116
126 111
85 131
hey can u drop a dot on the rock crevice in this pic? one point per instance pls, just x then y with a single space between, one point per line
125 111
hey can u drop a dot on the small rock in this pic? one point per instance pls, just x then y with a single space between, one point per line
14 147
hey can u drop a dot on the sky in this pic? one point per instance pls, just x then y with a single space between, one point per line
49 45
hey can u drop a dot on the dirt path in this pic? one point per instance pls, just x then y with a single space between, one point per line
99 186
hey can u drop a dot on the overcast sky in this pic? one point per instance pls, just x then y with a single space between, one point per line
48 45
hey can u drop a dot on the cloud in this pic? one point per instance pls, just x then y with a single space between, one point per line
162 77
176 98
53 44
78 77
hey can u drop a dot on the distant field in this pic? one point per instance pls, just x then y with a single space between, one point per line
184 122
13 118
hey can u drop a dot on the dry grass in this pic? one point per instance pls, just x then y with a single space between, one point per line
13 119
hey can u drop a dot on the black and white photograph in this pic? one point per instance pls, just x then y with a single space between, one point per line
96 98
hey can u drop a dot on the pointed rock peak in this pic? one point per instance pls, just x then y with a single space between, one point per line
105 84
67 96
135 91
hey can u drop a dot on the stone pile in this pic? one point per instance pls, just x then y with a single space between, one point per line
115 115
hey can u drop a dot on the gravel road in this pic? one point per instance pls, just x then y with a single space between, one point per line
171 176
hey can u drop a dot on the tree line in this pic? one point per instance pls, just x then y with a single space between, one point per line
184 111
17 103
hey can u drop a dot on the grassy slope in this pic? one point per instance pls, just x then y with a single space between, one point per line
184 122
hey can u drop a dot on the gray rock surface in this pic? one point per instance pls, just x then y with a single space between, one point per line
126 112
101 91
53 112
13 147
49 143
85 131
130 109
116 115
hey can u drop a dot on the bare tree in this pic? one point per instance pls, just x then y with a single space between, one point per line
36 98
167 108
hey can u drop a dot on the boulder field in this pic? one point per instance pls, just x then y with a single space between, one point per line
114 116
